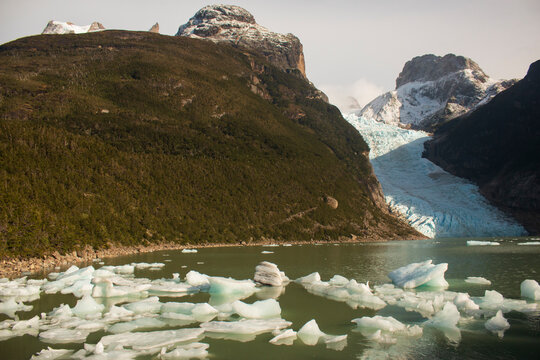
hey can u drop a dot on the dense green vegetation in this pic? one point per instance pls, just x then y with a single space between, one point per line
128 137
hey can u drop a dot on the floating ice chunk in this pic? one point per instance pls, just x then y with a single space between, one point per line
63 336
267 252
61 312
221 285
32 323
446 321
188 311
118 313
124 269
245 327
143 265
195 278
189 251
492 300
309 279
482 243
285 337
262 309
464 302
10 307
416 274
171 289
51 354
153 340
104 287
310 333
497 324
68 278
530 289
338 280
336 343
382 323
271 245
19 290
146 306
267 273
530 243
144 323
190 351
87 307
477 280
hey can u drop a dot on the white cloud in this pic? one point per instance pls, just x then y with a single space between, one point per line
353 96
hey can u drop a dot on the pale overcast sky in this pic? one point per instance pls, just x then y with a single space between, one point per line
351 47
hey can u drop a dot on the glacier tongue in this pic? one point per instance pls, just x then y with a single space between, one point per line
435 203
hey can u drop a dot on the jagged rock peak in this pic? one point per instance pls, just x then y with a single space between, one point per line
154 28
433 89
60 27
230 23
431 67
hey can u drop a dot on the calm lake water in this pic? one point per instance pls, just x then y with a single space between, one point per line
506 266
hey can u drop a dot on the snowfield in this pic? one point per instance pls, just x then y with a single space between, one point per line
434 202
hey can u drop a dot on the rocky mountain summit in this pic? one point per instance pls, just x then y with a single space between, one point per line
497 146
233 24
59 27
154 28
433 89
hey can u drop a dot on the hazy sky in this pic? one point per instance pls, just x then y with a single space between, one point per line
351 47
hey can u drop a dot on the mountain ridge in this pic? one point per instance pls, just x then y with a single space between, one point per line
134 137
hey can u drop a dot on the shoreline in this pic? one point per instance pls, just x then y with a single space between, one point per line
15 268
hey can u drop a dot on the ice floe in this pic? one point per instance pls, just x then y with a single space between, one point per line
529 243
530 289
477 280
245 326
151 342
482 243
195 350
446 320
267 273
258 310
310 334
189 251
417 274
497 324
283 337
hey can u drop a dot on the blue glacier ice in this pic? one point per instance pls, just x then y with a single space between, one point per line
434 202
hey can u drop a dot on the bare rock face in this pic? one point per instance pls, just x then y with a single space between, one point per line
432 89
154 28
267 273
236 25
59 27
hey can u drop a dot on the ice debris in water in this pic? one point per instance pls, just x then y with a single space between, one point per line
267 273
221 285
482 243
477 280
188 311
340 288
152 266
283 337
50 354
87 307
189 251
446 321
530 289
245 326
258 310
417 274
10 328
530 243
310 334
197 279
10 307
151 341
195 350
144 323
63 336
382 329
497 324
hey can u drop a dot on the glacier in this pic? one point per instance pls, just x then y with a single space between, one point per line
434 202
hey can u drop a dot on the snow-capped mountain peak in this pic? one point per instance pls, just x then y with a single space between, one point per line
230 23
60 27
432 89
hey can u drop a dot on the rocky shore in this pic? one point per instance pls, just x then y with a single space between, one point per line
13 268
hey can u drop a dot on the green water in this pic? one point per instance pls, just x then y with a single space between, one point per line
506 266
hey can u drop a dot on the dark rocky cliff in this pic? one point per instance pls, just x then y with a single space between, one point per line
498 147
